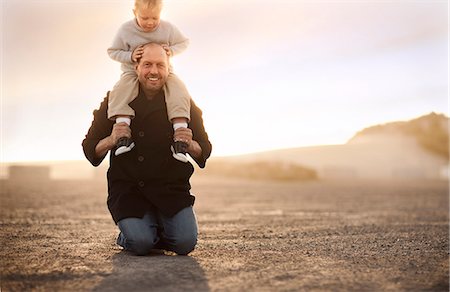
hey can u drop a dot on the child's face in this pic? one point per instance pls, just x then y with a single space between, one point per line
148 18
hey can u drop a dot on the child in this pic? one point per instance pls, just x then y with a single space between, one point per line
127 49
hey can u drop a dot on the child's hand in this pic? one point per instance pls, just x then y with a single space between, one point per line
137 54
167 49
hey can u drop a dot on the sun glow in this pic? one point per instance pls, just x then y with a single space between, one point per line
296 84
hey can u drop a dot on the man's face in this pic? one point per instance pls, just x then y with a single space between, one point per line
153 68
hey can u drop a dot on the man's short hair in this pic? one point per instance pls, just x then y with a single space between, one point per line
152 44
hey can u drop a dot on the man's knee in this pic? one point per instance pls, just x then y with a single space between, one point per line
183 245
140 246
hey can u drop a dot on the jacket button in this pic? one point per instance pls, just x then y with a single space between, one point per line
141 158
141 184
141 133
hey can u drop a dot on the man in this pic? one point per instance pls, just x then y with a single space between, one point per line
148 190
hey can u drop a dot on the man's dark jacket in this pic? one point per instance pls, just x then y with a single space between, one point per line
148 175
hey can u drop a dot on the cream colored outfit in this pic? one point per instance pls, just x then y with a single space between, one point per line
130 36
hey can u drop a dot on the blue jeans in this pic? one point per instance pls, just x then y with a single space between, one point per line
157 231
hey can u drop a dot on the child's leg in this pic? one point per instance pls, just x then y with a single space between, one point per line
124 144
125 90
179 123
178 101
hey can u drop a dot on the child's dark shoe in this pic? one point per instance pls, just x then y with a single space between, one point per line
179 150
124 145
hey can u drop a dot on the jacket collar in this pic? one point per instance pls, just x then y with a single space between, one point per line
143 106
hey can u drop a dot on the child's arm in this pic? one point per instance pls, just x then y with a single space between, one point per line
177 41
120 49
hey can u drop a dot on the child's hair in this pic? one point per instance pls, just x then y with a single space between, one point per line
147 3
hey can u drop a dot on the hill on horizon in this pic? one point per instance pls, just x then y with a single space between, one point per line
405 149
430 131
415 149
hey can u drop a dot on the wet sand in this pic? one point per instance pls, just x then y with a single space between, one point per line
254 236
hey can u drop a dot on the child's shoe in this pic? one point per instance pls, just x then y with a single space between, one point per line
179 150
124 145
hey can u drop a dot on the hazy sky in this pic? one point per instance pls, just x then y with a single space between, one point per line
267 74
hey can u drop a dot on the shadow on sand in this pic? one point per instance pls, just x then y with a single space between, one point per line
154 273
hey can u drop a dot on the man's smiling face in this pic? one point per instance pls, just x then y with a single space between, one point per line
153 68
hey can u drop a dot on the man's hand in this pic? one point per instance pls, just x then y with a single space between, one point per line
185 135
137 54
119 130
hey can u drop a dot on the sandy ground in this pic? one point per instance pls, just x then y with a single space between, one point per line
254 236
